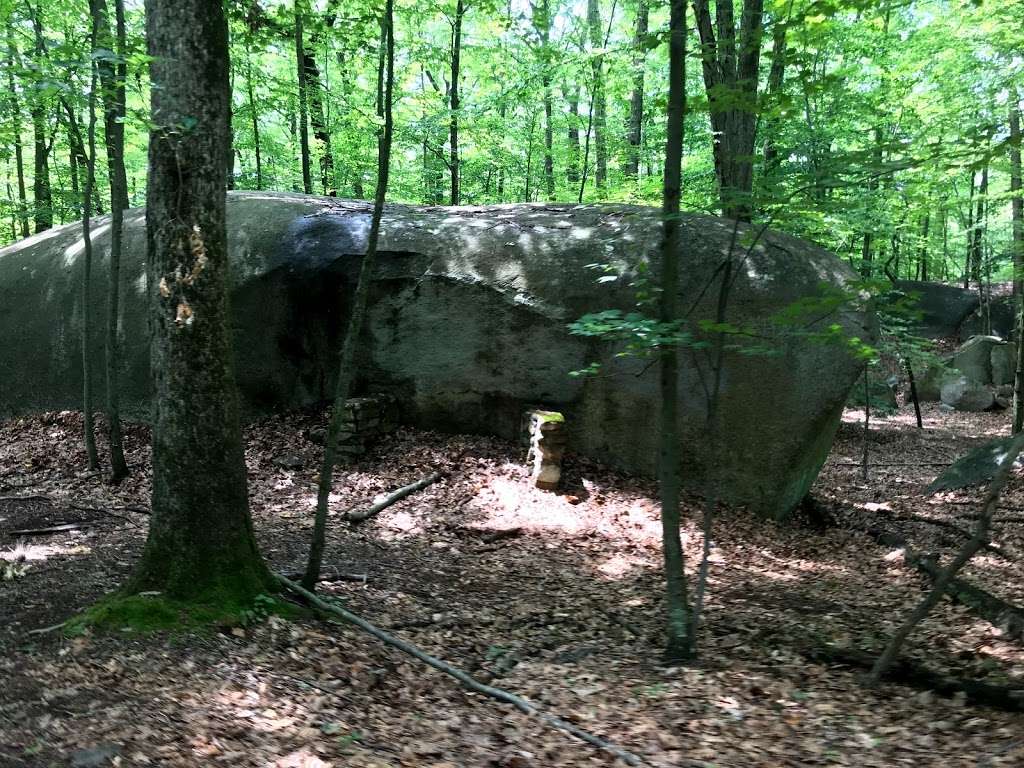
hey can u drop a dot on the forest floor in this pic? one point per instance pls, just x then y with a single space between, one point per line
556 597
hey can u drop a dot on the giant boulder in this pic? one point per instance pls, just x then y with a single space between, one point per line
943 307
468 327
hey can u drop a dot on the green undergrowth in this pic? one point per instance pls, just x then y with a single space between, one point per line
148 612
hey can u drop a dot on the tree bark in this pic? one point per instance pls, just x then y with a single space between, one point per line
255 124
678 641
1017 219
300 48
317 116
41 191
598 98
542 23
346 370
86 149
453 126
19 157
730 58
636 98
112 75
572 168
200 546
775 77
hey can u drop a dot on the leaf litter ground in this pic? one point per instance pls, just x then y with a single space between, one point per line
556 597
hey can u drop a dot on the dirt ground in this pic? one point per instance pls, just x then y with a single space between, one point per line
556 597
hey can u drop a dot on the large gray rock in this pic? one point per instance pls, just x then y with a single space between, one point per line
468 327
963 394
1004 363
998 319
973 358
943 307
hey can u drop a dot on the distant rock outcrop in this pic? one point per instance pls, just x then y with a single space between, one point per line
468 327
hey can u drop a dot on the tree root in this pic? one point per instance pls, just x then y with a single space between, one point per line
916 676
359 515
468 682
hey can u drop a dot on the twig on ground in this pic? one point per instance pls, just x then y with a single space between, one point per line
359 515
46 630
467 681
50 529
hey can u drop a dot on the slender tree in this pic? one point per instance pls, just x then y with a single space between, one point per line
346 370
599 107
111 65
678 644
300 49
636 98
14 105
38 109
200 546
454 104
1017 219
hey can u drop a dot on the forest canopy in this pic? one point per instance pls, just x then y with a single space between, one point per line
881 130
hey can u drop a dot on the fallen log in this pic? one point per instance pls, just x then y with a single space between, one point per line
359 515
466 680
914 675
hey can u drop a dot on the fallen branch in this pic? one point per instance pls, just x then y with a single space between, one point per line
46 630
977 541
916 676
995 610
362 578
474 685
910 517
50 529
984 604
359 515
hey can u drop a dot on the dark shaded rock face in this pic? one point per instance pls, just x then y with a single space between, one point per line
468 328
943 307
998 318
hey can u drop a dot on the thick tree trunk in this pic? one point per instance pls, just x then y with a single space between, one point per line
112 76
453 126
636 98
347 367
200 545
300 48
730 61
598 99
678 641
